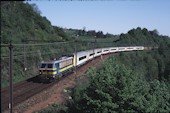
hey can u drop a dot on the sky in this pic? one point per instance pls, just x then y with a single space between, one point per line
112 16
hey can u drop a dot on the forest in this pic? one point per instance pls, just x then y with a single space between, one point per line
130 82
34 40
122 84
135 82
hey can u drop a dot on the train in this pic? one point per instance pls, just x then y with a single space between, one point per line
50 70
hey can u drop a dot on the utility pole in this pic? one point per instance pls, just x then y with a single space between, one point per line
94 46
75 55
11 74
93 54
25 62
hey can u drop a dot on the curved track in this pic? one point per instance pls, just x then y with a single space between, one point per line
22 91
26 89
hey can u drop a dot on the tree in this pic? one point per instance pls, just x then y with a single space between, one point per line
116 88
36 9
91 33
84 31
99 34
155 31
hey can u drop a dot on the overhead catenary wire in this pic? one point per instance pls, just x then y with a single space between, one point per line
32 53
41 44
6 45
21 53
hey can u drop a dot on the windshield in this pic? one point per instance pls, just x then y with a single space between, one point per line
43 65
50 65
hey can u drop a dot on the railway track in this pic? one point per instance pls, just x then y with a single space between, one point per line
26 89
21 92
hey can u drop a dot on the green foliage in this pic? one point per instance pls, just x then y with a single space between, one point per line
137 82
153 64
142 37
117 88
60 32
21 22
54 108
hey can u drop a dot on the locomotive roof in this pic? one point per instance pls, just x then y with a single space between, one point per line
56 61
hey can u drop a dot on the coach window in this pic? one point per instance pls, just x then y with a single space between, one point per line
81 58
91 54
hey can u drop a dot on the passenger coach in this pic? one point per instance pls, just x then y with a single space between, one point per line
52 69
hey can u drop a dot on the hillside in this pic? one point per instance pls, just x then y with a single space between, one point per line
21 23
158 58
35 40
132 82
143 37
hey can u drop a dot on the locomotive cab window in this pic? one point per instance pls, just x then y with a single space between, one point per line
43 65
50 65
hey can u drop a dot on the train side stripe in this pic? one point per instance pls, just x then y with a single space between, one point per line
47 68
48 73
65 68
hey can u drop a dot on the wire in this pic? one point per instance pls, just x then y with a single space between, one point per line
30 53
7 45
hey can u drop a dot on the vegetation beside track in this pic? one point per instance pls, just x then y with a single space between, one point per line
35 40
132 82
51 42
119 87
144 76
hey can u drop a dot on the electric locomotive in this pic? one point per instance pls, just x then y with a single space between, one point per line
51 69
